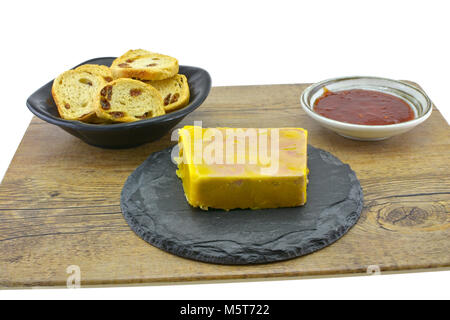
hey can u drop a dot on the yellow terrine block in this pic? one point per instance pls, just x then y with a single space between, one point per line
230 168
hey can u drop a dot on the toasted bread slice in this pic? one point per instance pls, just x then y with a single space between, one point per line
127 100
99 70
175 91
144 65
74 92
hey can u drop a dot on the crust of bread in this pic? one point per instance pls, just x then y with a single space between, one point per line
177 86
73 92
99 70
128 100
144 65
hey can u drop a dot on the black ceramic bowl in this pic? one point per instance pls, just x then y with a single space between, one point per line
122 135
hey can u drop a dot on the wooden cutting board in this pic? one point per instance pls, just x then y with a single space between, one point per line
59 203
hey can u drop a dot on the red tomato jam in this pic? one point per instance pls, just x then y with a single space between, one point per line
363 107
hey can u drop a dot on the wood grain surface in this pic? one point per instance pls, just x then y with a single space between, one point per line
59 203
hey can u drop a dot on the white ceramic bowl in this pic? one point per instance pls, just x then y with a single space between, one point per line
413 96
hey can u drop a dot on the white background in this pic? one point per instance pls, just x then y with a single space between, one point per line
238 42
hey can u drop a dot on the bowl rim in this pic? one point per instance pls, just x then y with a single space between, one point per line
78 125
346 125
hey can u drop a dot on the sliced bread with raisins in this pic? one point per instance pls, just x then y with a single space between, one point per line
99 70
74 92
175 91
144 65
128 100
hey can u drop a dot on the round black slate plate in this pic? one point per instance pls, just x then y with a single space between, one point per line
154 205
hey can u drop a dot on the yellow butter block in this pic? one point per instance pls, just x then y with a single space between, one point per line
230 168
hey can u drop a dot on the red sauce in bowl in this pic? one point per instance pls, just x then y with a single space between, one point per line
363 107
